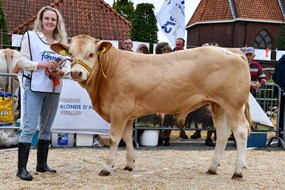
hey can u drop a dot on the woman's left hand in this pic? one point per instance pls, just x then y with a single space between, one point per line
57 73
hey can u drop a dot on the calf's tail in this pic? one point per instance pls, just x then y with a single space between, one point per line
247 114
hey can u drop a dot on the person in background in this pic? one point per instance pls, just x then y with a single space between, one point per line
166 49
169 119
159 47
142 48
279 78
197 133
127 44
179 44
42 86
258 77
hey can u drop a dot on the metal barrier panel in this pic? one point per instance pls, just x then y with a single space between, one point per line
10 100
268 97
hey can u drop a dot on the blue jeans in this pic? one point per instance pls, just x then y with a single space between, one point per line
39 110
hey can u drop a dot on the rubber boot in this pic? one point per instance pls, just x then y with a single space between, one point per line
42 154
209 142
166 142
23 155
166 137
196 135
183 134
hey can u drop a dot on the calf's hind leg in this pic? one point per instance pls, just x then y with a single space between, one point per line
223 133
240 131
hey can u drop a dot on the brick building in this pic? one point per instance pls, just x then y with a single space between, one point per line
236 23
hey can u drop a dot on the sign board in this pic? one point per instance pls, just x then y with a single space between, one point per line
75 113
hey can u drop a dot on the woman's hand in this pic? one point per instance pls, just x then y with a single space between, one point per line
57 73
50 65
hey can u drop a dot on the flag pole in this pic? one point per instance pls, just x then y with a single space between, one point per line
176 20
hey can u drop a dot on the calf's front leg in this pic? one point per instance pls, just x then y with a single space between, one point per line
129 146
116 133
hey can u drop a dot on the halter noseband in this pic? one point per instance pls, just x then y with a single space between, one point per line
78 61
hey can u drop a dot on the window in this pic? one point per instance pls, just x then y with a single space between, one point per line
263 40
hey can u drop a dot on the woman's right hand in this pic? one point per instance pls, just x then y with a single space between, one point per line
46 65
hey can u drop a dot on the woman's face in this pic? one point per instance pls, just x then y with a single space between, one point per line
49 21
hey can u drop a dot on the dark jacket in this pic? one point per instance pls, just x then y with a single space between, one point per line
279 73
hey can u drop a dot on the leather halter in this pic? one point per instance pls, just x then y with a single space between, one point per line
78 61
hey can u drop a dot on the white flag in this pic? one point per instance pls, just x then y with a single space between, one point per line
171 18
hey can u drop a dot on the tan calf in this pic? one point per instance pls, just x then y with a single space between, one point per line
124 85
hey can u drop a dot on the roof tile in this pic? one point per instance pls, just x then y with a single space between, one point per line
259 9
91 17
220 10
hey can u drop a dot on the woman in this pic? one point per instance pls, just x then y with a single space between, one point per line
42 86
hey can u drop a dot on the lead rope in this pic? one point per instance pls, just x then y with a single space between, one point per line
60 65
102 70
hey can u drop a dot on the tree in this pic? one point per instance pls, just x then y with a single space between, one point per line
281 37
125 8
4 37
144 25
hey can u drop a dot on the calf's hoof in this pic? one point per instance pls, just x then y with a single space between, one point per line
104 173
210 172
237 176
128 168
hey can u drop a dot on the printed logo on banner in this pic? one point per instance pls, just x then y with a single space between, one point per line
62 139
171 18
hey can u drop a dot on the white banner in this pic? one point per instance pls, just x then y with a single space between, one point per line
75 113
171 18
16 40
257 114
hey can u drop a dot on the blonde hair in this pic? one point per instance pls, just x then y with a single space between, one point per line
59 32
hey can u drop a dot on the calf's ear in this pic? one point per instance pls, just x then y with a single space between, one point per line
103 47
60 48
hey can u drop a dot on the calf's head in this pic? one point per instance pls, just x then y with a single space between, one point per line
83 51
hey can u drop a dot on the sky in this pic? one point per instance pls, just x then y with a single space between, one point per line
190 6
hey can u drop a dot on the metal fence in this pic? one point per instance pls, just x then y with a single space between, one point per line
267 96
